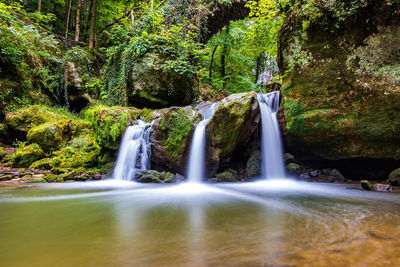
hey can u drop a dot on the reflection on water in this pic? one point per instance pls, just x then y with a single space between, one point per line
273 223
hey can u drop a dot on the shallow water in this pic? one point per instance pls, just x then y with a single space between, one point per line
277 223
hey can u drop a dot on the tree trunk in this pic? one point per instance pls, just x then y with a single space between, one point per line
68 18
39 5
211 62
77 20
223 57
92 34
258 67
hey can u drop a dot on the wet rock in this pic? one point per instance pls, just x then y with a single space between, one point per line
227 176
152 176
179 177
304 176
289 158
315 173
253 165
232 125
171 138
293 167
109 123
366 185
382 188
394 177
326 171
337 175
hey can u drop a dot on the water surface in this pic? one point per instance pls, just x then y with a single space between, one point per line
255 224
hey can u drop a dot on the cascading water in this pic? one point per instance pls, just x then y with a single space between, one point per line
271 146
134 152
196 166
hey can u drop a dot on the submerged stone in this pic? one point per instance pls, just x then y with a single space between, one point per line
151 176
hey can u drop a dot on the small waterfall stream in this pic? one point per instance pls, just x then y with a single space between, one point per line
134 152
196 165
272 166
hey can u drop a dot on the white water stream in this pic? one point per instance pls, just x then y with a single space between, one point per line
271 146
196 166
134 152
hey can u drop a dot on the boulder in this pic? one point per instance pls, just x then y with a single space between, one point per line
330 97
253 165
289 158
171 137
394 177
230 129
226 176
152 176
49 135
382 188
315 173
293 167
151 85
81 152
336 175
366 185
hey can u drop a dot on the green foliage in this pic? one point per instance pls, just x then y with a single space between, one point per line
175 47
176 126
28 58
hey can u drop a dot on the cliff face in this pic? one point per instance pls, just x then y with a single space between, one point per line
342 98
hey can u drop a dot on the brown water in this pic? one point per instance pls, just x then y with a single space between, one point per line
270 224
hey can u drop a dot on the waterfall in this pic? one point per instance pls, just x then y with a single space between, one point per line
196 166
271 146
134 152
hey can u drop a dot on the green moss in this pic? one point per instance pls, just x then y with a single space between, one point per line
296 123
80 152
26 155
176 126
109 123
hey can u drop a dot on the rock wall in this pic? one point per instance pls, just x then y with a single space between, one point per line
342 99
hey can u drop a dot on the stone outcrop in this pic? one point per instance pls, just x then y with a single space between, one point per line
151 85
231 128
342 100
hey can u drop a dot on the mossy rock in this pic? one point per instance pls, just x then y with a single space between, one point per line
253 166
152 176
26 155
227 176
49 135
365 184
48 127
292 167
152 86
36 180
233 123
171 137
330 98
80 152
109 123
394 177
